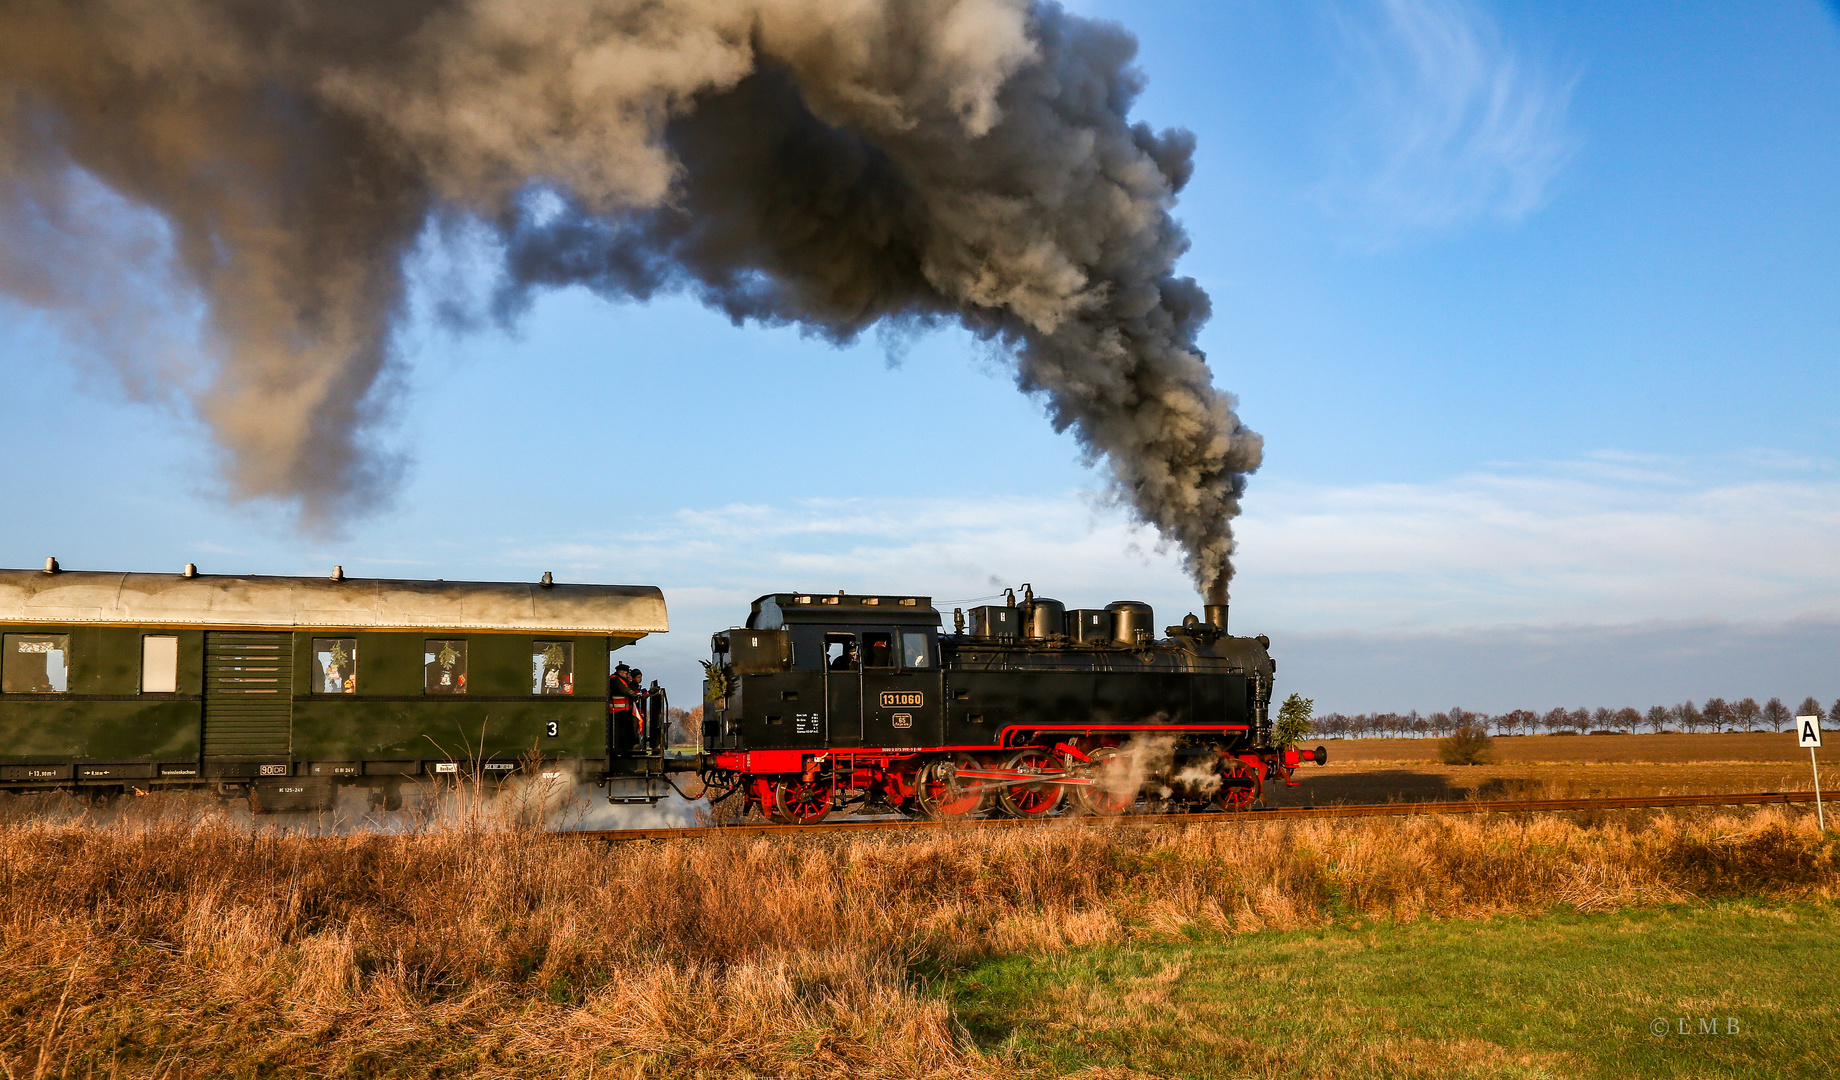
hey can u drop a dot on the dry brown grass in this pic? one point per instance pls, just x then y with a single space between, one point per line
173 943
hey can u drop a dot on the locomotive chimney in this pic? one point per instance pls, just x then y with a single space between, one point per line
1216 609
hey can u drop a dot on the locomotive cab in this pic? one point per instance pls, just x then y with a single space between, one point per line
818 671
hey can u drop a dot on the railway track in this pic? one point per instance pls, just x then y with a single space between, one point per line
1287 813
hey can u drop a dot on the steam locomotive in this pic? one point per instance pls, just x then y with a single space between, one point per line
824 701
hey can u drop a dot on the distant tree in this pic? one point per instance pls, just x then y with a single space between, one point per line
1717 713
1747 712
1581 720
1687 715
1440 723
1602 718
1407 723
1810 707
1833 713
1469 744
1519 720
1776 714
685 726
1628 720
1658 717
1555 720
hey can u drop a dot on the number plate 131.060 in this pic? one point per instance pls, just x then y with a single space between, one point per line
899 699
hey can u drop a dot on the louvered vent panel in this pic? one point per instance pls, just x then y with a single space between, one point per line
247 681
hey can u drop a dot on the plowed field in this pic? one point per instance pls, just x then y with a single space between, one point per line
1558 766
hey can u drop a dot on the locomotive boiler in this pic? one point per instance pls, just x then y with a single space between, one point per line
1028 708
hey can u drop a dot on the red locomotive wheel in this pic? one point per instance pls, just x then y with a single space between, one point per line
1032 800
1114 787
938 794
800 802
1238 796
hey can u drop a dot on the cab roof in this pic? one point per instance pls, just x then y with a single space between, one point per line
776 610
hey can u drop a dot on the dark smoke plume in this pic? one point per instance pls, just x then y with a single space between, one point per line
833 165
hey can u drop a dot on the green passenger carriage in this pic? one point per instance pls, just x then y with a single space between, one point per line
288 686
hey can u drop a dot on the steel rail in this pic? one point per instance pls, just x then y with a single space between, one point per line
1285 813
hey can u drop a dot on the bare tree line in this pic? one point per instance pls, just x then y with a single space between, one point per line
1715 715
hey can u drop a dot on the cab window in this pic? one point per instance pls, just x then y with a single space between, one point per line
840 652
916 650
878 650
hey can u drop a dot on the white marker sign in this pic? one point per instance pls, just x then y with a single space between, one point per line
1809 729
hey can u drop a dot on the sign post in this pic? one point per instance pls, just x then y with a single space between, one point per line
1808 728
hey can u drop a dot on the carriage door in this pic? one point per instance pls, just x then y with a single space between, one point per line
843 689
248 694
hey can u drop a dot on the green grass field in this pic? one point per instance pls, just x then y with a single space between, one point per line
1564 995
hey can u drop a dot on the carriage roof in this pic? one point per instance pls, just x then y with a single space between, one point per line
74 597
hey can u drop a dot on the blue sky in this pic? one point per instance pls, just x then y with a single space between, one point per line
1537 306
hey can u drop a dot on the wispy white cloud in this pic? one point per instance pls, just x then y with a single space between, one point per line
1450 122
1608 539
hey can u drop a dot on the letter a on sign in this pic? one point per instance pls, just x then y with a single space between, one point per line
1810 728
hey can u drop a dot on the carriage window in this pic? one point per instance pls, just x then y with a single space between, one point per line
335 665
36 664
878 650
444 666
159 664
552 667
916 651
